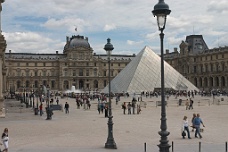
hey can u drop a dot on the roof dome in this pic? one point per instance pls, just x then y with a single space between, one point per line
79 41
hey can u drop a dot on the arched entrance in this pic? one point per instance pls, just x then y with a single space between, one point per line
81 84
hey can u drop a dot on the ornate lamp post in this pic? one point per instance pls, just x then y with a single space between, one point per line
48 108
161 10
110 143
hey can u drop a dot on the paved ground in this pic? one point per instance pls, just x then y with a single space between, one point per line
86 130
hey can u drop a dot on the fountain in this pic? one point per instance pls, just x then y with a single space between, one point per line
73 90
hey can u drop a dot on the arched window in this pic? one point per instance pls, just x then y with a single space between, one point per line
18 84
95 85
36 84
200 82
195 82
205 82
223 82
211 81
217 81
27 84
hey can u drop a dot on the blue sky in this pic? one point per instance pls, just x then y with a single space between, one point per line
32 26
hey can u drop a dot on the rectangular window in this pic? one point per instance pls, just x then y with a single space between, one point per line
74 72
80 72
195 69
105 73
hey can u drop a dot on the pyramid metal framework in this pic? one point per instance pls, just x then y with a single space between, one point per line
143 73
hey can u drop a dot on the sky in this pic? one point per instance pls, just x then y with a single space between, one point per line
32 26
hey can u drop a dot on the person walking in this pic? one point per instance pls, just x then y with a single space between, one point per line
41 109
129 108
196 123
191 104
66 107
124 107
187 104
5 140
185 127
193 117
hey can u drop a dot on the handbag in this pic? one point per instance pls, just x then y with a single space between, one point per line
183 133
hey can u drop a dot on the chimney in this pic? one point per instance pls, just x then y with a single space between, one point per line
9 51
167 51
175 49
67 39
57 52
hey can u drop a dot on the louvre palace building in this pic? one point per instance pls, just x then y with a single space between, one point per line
206 68
79 66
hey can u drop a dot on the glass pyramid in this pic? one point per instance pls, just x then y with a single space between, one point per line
143 73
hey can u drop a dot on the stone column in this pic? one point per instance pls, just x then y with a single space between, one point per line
2 66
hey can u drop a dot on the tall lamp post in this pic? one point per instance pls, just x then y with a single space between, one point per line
161 10
110 143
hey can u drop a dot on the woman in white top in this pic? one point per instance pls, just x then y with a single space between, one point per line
5 140
185 126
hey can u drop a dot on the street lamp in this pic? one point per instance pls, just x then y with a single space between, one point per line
161 10
110 143
48 109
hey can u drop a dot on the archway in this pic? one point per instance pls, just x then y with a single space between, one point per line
81 84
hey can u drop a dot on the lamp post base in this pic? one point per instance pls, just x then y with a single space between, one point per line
110 144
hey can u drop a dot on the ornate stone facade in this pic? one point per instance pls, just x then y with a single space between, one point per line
77 66
206 68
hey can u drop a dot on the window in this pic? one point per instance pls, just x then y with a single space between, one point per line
27 73
36 84
18 64
95 64
52 84
104 64
87 64
44 64
74 72
27 64
95 72
18 73
111 64
36 73
112 73
206 68
105 73
80 72
195 69
201 69
65 72
45 73
118 64
211 67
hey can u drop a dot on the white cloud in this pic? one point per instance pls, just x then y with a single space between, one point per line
130 21
109 27
129 42
218 6
29 42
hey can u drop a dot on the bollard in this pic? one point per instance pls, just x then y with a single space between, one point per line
172 146
145 147
226 146
199 146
